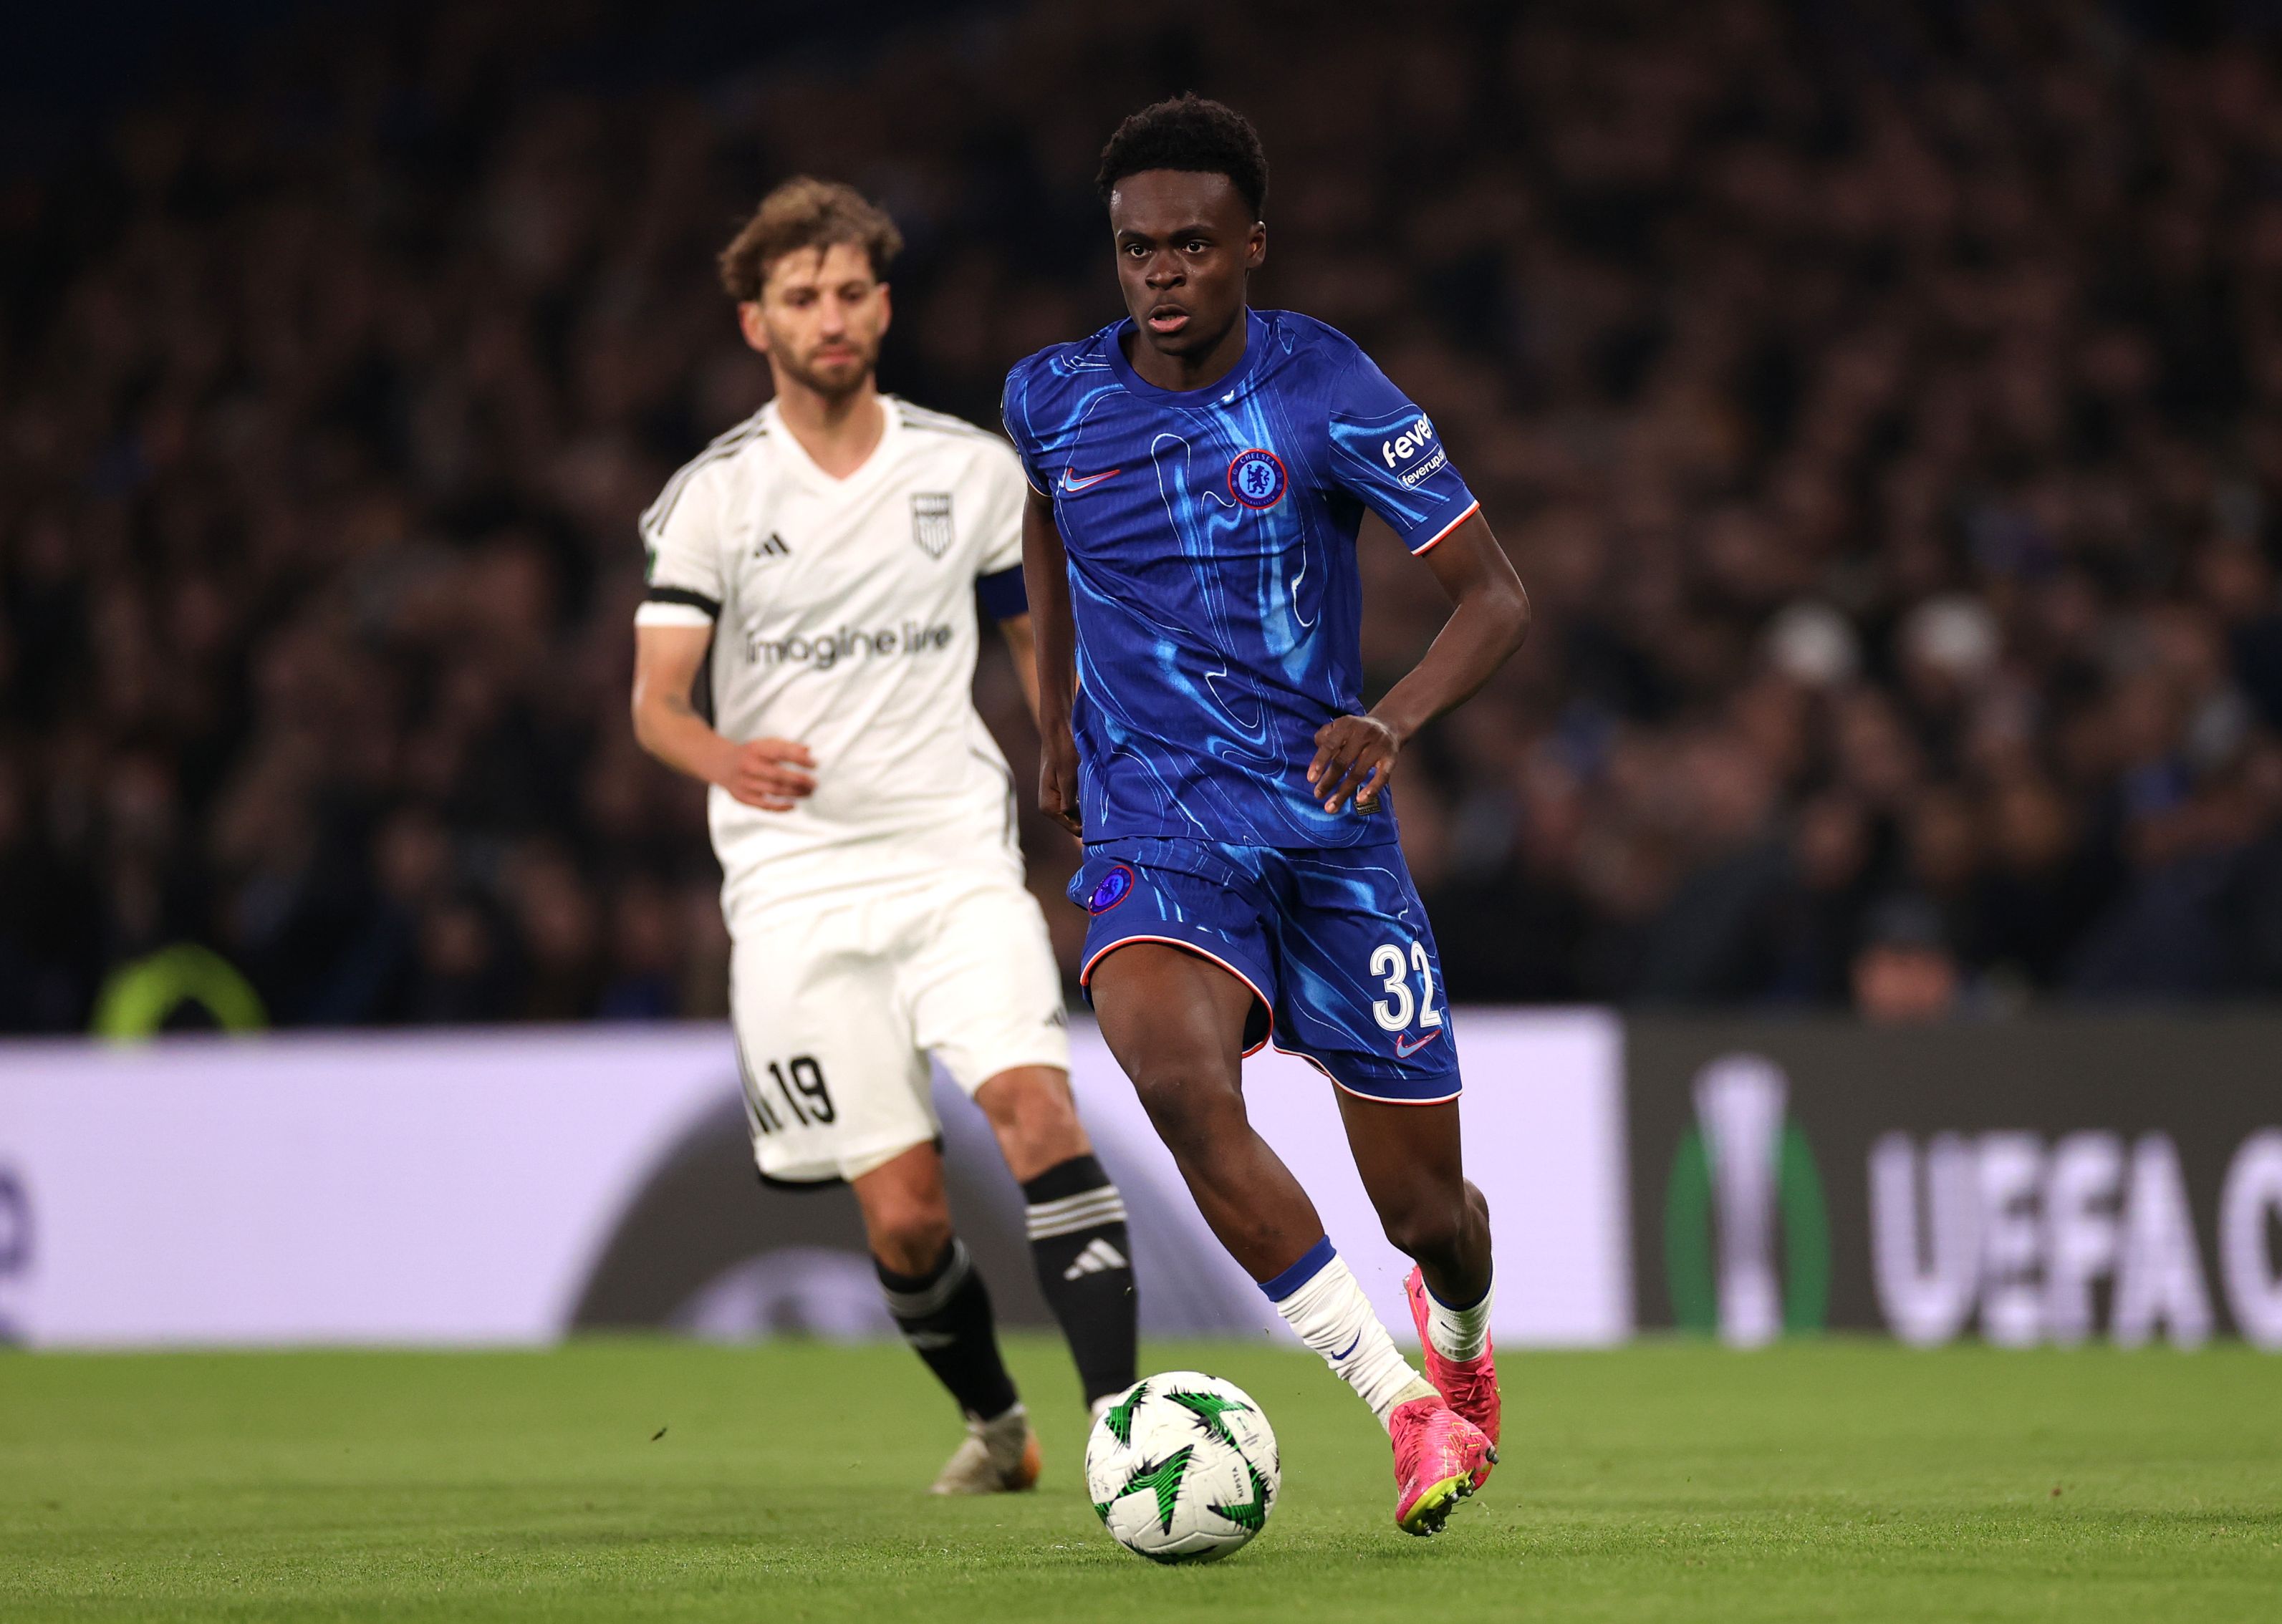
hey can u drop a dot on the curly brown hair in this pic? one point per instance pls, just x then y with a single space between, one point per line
806 213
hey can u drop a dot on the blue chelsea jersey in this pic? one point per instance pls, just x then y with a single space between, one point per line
1212 568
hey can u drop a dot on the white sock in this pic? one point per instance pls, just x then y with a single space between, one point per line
1319 1299
1459 1332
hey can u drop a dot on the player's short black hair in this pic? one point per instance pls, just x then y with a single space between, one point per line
1193 133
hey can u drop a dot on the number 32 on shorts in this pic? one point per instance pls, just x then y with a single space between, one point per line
1393 1012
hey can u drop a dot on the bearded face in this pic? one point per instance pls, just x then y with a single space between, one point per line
821 317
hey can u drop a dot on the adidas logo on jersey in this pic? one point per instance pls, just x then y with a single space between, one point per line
773 548
1097 1256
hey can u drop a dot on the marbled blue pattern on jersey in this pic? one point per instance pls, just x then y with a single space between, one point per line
1211 541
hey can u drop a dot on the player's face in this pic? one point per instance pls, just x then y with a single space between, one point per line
1185 243
820 317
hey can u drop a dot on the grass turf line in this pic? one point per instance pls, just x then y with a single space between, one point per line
1813 1481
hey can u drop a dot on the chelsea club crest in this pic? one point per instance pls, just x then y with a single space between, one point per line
1114 888
1256 478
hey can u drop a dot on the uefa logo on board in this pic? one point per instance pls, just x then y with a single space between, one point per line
1746 1230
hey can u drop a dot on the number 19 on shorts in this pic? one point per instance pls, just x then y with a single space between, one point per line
792 1092
1392 969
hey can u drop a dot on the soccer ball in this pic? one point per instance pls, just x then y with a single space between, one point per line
1183 1467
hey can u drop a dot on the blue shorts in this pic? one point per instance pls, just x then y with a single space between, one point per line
1333 943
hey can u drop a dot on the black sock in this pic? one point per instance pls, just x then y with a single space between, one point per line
945 1315
1077 1239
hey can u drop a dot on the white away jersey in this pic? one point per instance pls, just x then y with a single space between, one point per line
844 617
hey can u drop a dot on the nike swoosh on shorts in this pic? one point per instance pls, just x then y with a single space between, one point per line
1089 481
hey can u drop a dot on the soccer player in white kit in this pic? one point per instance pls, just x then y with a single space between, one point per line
818 569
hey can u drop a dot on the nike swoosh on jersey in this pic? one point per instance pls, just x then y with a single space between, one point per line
1404 1048
1089 481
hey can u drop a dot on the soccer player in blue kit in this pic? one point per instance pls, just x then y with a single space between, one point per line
1198 474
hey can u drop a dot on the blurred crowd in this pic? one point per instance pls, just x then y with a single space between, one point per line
1883 402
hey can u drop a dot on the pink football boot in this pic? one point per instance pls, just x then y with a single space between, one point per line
1439 1457
1469 1386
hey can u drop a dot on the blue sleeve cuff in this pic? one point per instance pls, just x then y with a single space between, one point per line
1004 596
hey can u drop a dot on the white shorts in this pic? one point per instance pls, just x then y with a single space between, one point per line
838 1002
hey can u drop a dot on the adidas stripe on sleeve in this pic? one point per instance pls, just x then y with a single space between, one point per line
681 542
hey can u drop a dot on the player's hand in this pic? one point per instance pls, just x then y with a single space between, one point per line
766 773
1355 756
1058 779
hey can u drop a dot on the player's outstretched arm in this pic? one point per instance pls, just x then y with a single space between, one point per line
1053 636
761 772
1355 755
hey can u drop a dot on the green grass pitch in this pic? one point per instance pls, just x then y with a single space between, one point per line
1820 1480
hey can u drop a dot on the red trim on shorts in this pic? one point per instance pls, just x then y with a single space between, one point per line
1379 1099
1085 978
1311 1060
